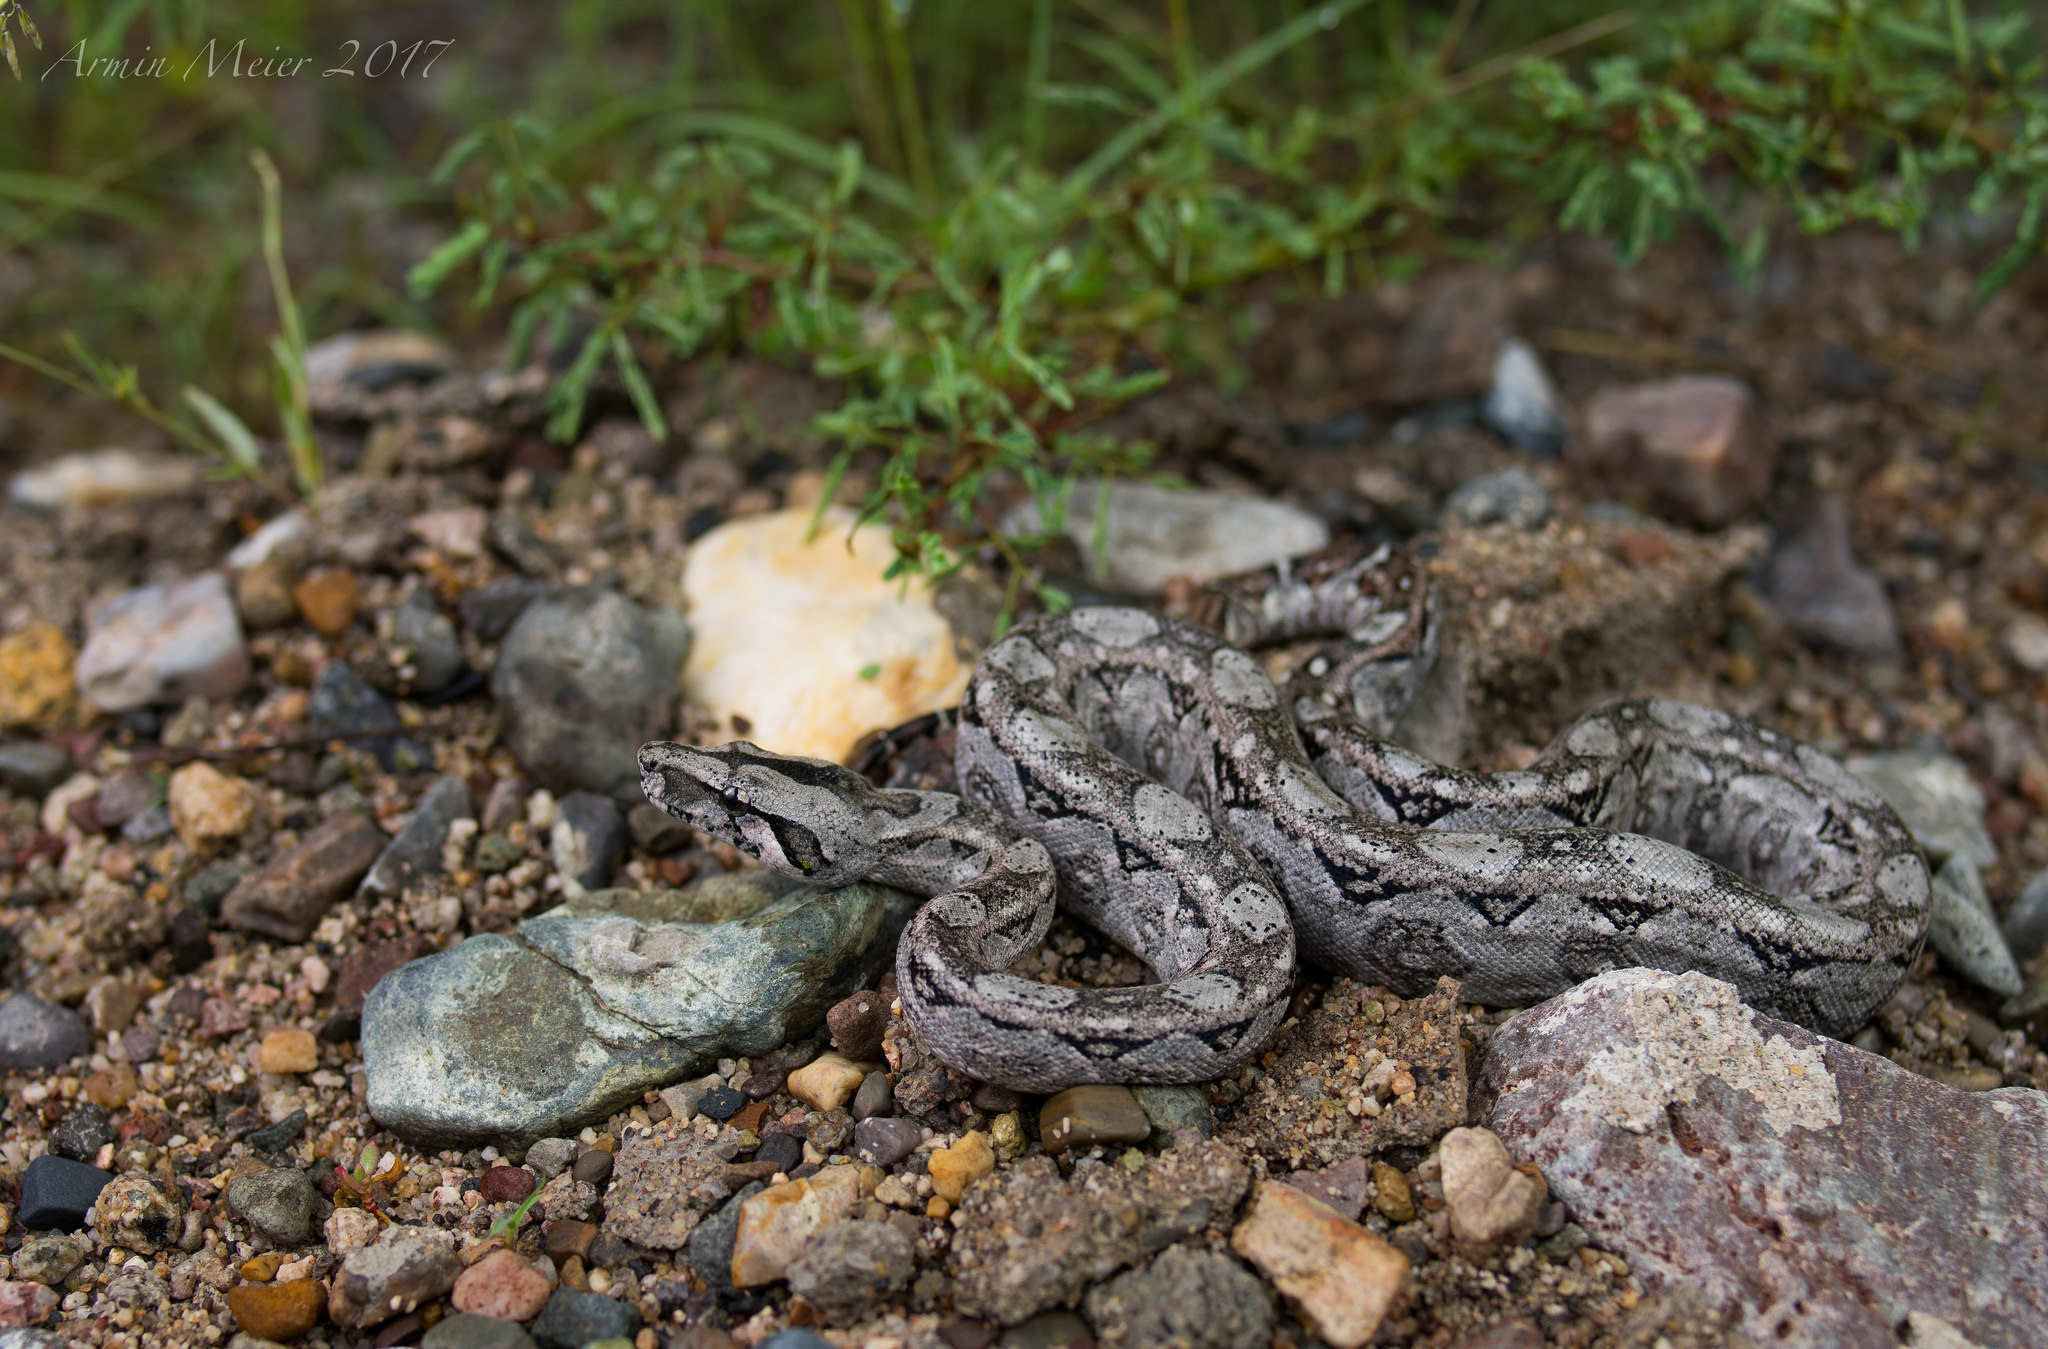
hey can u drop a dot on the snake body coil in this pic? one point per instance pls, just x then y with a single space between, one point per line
1149 773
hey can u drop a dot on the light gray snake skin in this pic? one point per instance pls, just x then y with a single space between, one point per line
1149 773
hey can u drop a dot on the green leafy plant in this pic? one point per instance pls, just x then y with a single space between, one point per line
507 1227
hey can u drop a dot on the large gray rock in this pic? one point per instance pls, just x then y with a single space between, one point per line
615 992
1155 533
583 679
1827 1195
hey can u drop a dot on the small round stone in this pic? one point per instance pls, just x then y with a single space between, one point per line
875 1097
504 1285
288 1051
467 1331
784 1151
138 1212
885 1142
848 1267
329 600
278 1203
277 1311
507 1184
826 1083
957 1167
593 1168
47 1258
1080 1117
857 1024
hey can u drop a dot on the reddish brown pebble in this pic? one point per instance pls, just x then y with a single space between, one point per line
857 1024
502 1285
567 1236
750 1118
364 966
328 600
1696 448
507 1184
277 1311
1639 548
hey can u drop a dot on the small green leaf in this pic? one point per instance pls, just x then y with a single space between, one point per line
871 670
238 446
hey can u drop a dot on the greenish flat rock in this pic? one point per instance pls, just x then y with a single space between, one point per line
593 1003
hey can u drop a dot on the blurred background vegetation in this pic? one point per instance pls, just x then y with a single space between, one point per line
992 219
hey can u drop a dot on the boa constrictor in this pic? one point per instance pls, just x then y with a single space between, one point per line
1148 773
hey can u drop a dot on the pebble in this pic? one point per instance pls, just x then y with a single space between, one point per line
1963 928
472 1331
796 1337
586 840
506 1184
1492 1202
850 1266
955 1168
1449 348
1511 497
415 852
875 1098
1344 1187
502 1284
277 1311
857 1024
2026 640
885 1142
102 477
827 1082
329 600
1936 796
1521 405
344 704
39 1034
25 1304
1339 1277
552 1156
164 644
278 1203
286 538
582 680
655 831
37 678
776 1224
721 1103
362 968
457 532
1186 1298
370 361
139 1212
1392 1196
832 589
711 1241
263 595
626 970
47 1258
275 1138
1080 1117
784 1152
419 653
593 1168
2026 922
1761 1159
290 896
399 1271
683 1098
348 1230
573 1320
490 610
1695 448
209 807
465 1330
58 1193
1814 583
31 768
1171 1108
1047 1330
1155 534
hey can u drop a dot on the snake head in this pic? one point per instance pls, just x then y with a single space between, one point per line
800 816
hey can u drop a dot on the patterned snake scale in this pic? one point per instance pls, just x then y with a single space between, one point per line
1149 773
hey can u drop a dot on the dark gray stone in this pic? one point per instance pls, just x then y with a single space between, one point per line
416 852
1171 1108
593 1168
796 1337
126 795
850 1266
875 1097
82 1134
489 611
1186 1298
2026 922
31 768
57 1193
885 1142
419 652
572 1320
710 1242
38 1034
344 704
288 898
783 1151
583 679
656 831
281 1135
465 1330
586 840
278 1203
1814 582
